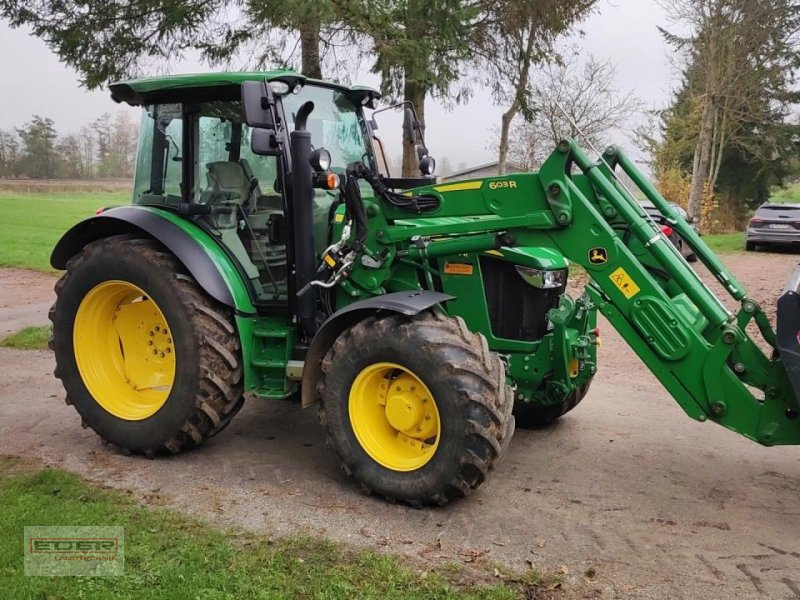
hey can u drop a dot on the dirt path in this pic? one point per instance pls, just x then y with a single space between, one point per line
660 506
25 298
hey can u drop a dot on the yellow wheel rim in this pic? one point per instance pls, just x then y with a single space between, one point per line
394 417
124 350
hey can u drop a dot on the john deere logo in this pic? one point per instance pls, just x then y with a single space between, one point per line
598 256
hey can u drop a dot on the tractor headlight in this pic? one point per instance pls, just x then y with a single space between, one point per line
545 280
320 159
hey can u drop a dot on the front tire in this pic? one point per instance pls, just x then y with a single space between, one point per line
417 408
148 360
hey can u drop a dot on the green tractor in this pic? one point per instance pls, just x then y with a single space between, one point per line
268 251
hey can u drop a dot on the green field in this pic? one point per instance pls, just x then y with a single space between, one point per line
725 243
168 555
790 193
32 223
28 338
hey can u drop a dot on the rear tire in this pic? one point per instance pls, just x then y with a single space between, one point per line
444 362
749 246
204 393
531 415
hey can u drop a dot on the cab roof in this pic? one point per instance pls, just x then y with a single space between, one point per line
177 87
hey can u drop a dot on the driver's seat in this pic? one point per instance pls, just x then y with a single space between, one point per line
228 182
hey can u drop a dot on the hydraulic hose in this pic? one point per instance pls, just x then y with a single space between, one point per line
354 206
418 204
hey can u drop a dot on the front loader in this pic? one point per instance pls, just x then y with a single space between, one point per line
269 252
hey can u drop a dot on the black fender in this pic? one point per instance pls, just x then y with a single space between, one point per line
788 331
130 219
405 303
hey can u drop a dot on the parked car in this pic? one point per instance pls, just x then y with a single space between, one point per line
773 224
667 229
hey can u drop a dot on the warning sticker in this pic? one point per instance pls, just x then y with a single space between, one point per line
458 268
624 282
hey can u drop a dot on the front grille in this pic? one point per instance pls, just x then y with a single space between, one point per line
517 311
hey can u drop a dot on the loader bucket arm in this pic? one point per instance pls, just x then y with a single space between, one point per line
700 351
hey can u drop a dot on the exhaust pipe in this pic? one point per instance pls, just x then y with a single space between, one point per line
302 213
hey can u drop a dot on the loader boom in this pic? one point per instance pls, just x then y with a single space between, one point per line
700 351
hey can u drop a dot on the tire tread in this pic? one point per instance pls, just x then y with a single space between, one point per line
477 375
220 390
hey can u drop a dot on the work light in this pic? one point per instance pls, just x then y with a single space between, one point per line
546 280
320 159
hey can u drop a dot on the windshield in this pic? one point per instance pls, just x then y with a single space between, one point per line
772 209
334 124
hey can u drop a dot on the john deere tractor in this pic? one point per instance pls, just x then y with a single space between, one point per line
268 251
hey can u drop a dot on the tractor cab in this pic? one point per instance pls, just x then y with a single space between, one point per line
196 157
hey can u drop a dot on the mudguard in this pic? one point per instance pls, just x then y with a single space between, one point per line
406 303
202 256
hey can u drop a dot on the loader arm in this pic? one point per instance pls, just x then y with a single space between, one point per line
699 350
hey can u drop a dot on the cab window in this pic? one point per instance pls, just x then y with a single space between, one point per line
335 125
158 174
245 210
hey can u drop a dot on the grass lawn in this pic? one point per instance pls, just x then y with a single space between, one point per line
168 555
33 223
725 243
29 338
790 193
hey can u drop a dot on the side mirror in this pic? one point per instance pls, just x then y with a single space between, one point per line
257 103
263 142
409 131
427 165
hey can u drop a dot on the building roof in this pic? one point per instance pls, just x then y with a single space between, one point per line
511 166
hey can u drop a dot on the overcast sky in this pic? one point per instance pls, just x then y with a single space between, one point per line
34 82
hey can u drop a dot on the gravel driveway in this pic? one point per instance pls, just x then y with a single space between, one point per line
657 505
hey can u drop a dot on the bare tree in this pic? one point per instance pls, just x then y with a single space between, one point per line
590 99
86 135
516 36
9 153
740 57
124 134
70 157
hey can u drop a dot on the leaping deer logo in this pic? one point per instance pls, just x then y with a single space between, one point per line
598 256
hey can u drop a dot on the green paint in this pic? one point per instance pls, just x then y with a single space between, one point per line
266 341
273 341
212 249
138 91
